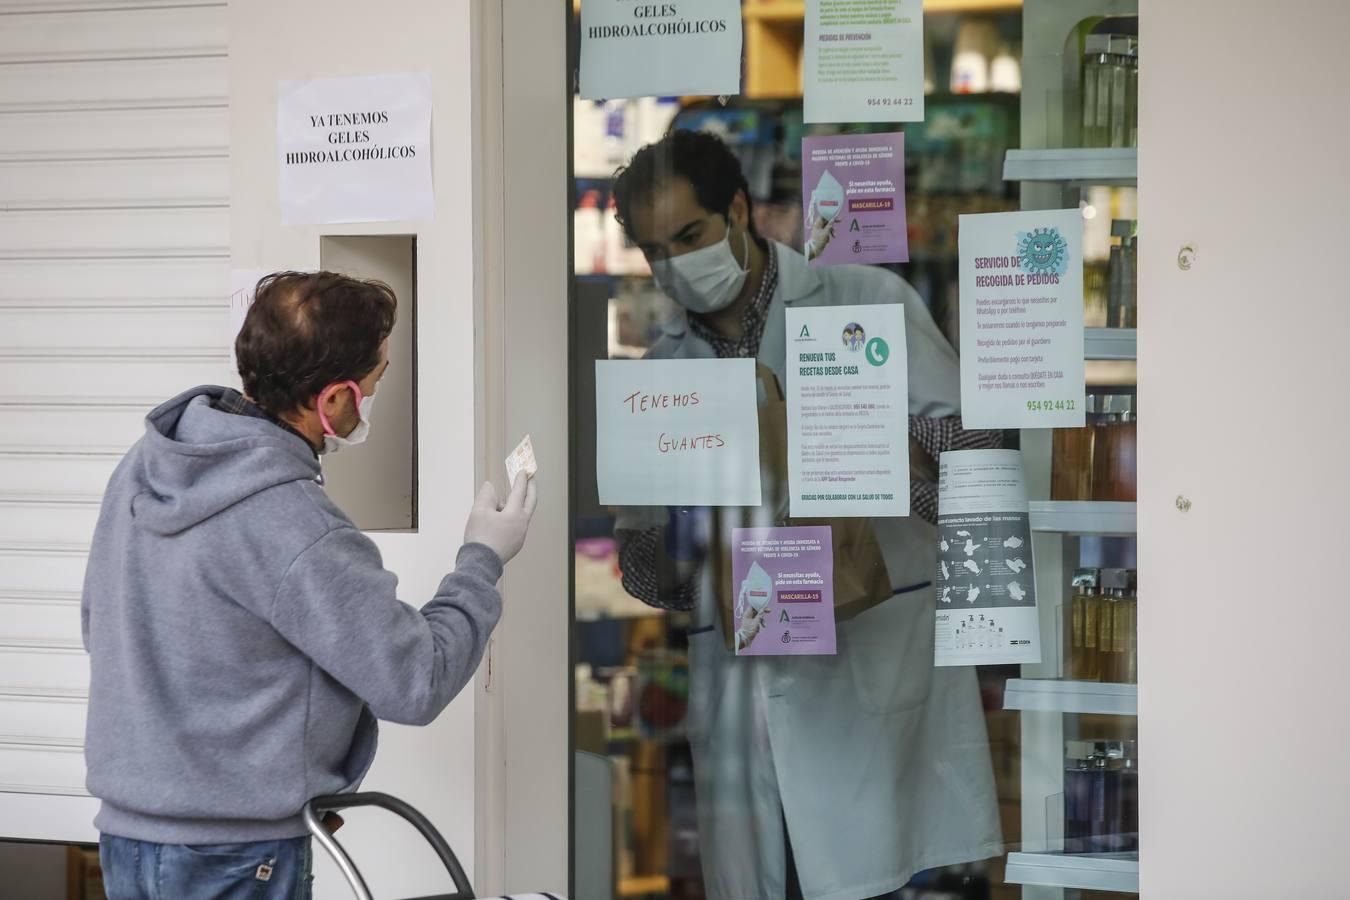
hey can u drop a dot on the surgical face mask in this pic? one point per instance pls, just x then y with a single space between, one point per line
756 590
706 280
365 407
827 200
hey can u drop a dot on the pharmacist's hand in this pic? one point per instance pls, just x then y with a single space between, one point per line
502 528
822 232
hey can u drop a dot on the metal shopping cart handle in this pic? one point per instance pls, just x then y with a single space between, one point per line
313 815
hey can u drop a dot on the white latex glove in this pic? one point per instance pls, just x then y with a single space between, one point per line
750 628
502 529
822 232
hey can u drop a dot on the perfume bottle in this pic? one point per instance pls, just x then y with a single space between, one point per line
1096 91
1083 661
1122 294
1071 458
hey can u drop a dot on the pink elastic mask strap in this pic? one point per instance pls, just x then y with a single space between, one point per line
323 419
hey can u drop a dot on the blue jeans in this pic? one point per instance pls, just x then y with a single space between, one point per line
265 870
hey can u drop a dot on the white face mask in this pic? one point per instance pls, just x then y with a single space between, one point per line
706 280
827 200
332 443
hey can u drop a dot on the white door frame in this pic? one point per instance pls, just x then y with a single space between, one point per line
521 202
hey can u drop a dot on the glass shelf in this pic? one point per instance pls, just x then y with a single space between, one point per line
1074 165
1051 695
1083 517
1093 872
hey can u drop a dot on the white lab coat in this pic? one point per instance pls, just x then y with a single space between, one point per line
878 761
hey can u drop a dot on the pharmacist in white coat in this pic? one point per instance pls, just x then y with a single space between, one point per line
826 778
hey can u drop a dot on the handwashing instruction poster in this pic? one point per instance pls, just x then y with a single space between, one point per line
863 61
355 149
853 191
783 582
986 582
639 49
1022 319
677 432
848 411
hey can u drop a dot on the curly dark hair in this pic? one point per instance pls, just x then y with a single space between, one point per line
307 330
702 159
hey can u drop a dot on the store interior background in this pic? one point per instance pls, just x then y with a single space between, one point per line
631 675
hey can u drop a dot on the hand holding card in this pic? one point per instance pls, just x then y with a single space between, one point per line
521 460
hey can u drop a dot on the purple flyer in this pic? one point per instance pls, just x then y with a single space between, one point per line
853 192
783 581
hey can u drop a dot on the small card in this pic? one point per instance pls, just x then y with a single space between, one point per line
521 460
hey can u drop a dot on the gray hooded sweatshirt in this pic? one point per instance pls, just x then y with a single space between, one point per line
244 636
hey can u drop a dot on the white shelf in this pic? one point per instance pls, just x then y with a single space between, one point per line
1109 343
1076 166
1091 872
1082 517
1050 695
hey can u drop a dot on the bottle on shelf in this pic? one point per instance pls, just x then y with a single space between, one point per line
1116 638
1098 819
1071 458
1107 659
1101 797
1132 93
1005 72
1121 285
1096 91
1128 828
588 235
1078 756
1113 449
1119 128
1130 658
1086 607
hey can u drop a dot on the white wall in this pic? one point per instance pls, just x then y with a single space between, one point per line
1243 615
433 768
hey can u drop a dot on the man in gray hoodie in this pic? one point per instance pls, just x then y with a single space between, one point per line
244 635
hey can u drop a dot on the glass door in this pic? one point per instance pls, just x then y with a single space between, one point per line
708 766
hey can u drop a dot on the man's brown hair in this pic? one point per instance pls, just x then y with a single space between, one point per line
307 330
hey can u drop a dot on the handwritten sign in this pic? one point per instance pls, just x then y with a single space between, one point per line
355 149
677 432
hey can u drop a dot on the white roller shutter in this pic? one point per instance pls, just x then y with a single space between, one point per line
113 254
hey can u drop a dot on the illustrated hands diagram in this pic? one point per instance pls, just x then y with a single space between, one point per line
1016 565
1013 542
946 573
964 534
971 566
973 594
971 547
946 595
1016 592
944 546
